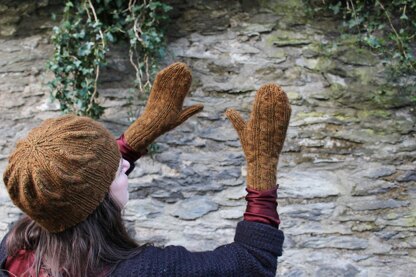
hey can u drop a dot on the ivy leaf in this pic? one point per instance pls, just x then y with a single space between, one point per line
79 48
372 41
68 68
355 22
110 37
81 34
404 17
396 55
335 8
80 104
164 7
85 49
83 92
77 63
68 6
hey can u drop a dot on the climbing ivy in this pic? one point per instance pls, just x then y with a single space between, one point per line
82 39
386 26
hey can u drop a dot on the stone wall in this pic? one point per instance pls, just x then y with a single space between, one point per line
347 172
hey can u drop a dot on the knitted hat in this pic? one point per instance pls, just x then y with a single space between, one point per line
61 172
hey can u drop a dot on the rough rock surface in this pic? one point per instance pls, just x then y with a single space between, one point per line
347 172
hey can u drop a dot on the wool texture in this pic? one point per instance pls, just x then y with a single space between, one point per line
163 111
263 136
254 252
61 172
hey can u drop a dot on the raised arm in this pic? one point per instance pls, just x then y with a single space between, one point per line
262 138
163 112
258 241
253 253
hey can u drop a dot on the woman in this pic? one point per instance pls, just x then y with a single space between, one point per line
69 178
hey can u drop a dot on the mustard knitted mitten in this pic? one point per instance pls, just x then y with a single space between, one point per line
163 111
263 136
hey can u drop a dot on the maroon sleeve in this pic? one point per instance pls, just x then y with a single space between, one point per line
128 153
261 206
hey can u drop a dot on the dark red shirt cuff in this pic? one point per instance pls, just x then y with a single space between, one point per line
128 153
261 206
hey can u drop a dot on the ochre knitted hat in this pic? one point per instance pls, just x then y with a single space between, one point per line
61 172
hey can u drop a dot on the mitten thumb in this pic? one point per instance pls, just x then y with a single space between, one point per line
237 121
187 113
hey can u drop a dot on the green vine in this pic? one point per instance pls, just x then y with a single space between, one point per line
82 40
386 26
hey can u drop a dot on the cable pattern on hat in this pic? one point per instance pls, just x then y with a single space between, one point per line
60 173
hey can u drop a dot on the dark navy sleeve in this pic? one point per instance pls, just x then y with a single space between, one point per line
254 252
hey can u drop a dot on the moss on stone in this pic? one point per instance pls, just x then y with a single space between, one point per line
410 221
277 53
282 38
391 97
293 95
346 118
302 115
365 74
292 9
391 215
364 114
357 56
324 64
364 226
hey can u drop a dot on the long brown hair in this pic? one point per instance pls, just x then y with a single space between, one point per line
90 248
